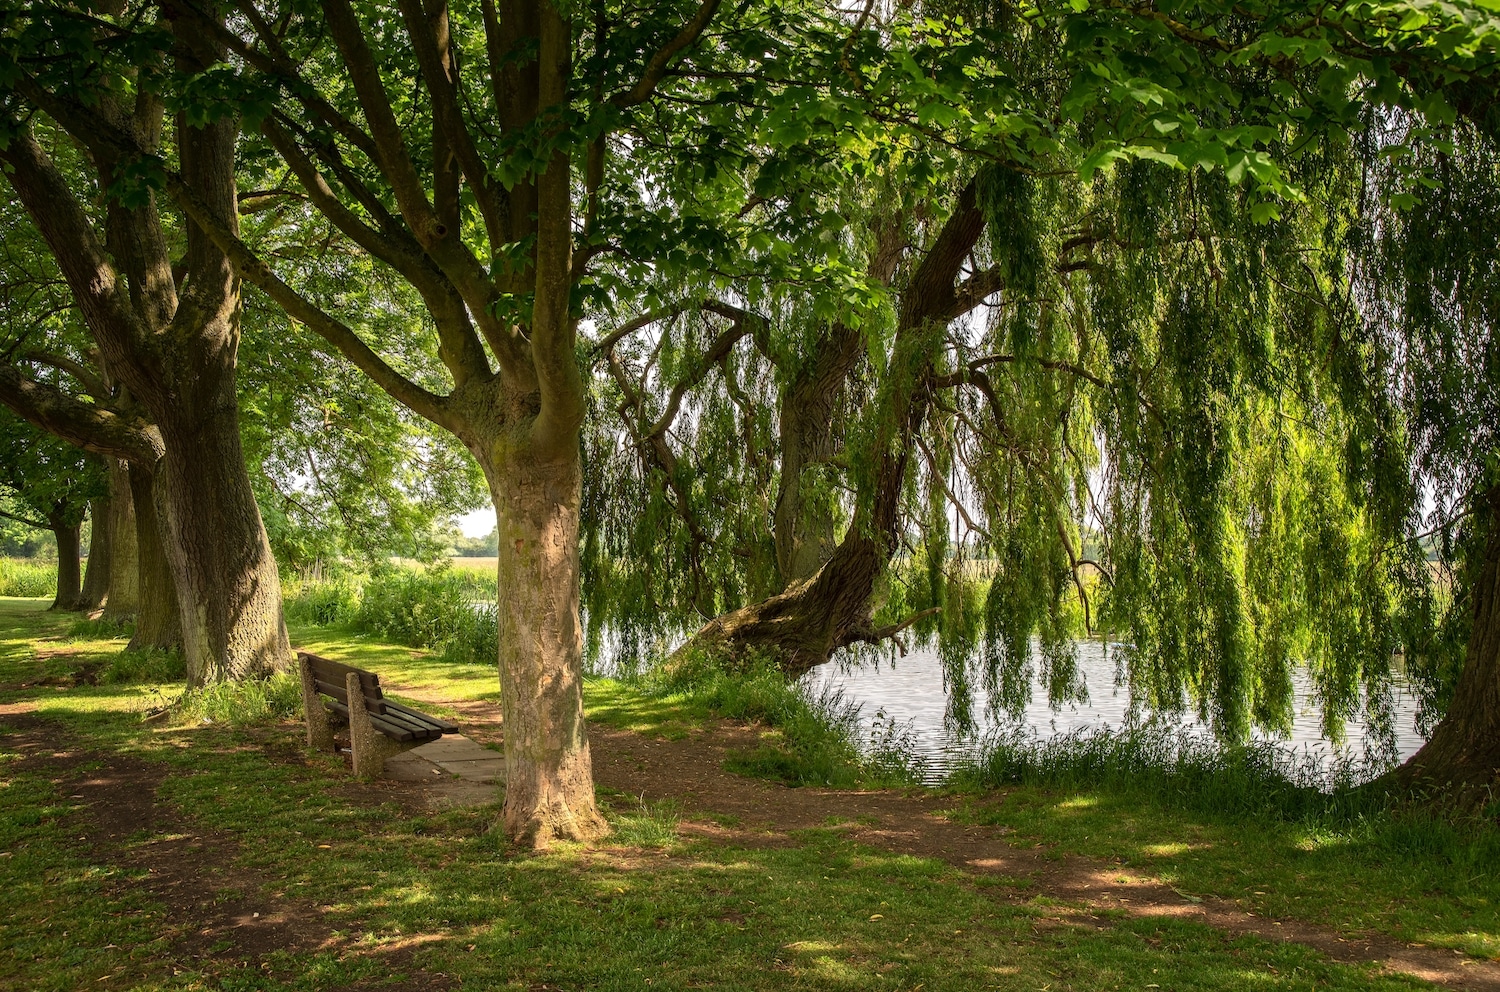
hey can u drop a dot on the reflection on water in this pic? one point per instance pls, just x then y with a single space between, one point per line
910 692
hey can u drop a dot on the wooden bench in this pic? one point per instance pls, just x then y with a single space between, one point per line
378 727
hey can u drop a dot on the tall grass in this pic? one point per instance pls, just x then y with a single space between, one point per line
818 737
449 610
1254 783
27 577
1249 780
278 697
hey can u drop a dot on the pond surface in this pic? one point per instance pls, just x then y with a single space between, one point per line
910 693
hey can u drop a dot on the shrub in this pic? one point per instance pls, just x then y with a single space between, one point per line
440 608
321 599
27 577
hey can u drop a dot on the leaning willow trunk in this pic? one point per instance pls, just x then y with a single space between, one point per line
549 791
1462 760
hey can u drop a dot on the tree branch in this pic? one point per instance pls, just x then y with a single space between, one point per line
656 69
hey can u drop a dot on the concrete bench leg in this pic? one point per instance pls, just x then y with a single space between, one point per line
319 733
369 745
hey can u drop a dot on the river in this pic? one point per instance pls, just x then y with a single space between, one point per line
908 693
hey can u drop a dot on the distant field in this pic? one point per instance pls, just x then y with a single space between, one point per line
476 564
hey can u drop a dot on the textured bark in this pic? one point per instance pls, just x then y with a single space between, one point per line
124 566
809 434
228 589
69 572
158 620
549 790
101 555
1462 760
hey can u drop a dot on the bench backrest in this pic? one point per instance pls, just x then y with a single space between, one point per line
329 677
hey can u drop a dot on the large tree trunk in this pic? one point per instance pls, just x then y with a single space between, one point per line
1462 760
158 621
228 590
101 553
124 565
549 790
69 570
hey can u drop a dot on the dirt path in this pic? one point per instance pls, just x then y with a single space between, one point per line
690 772
216 916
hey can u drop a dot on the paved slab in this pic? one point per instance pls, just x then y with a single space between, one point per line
451 756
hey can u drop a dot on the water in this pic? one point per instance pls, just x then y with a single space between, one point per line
909 692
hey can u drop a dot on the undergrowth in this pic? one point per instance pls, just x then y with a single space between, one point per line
26 577
238 703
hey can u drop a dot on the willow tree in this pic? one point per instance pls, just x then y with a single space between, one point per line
1173 370
1430 283
159 299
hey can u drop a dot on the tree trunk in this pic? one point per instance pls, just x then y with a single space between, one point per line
549 790
800 628
804 522
1462 760
101 554
158 621
69 570
124 568
228 590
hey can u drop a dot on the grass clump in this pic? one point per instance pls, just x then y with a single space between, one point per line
27 577
101 629
143 666
278 697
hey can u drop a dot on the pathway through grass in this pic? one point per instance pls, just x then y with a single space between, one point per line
137 856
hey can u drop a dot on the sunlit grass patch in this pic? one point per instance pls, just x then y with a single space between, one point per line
277 697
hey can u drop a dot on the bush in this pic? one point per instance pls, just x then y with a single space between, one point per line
321 599
27 577
441 608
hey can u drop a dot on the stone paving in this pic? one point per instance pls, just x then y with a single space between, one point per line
464 772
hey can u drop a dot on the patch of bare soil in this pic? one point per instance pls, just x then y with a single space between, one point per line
216 915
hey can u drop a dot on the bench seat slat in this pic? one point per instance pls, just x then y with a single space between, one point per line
445 726
400 732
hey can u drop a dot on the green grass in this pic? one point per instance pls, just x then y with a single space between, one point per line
653 908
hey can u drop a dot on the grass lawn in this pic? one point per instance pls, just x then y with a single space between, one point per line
373 894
